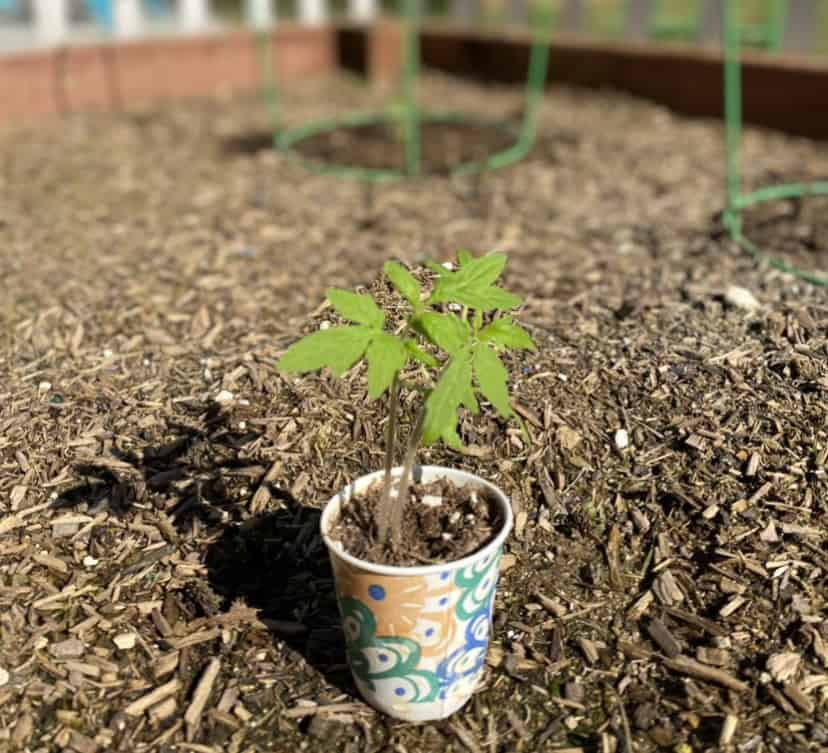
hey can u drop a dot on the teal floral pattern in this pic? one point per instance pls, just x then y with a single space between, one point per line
477 584
378 661
434 631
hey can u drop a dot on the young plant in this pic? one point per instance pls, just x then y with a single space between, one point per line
462 320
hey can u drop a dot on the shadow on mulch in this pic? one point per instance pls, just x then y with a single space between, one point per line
191 475
444 146
274 562
277 563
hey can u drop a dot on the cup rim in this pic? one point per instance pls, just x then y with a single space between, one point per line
336 548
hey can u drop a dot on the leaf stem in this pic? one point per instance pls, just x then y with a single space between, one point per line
403 490
385 510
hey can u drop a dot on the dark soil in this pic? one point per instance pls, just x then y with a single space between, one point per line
665 587
793 231
456 522
445 146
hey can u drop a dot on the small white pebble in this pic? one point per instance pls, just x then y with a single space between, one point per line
225 396
741 298
448 265
446 536
431 500
4 677
90 561
107 353
146 362
124 641
622 439
244 402
563 377
44 386
325 325
242 425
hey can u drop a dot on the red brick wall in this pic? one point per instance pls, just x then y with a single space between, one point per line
34 85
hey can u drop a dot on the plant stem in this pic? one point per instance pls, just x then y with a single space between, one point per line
385 510
398 508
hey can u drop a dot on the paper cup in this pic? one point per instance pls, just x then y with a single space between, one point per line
417 636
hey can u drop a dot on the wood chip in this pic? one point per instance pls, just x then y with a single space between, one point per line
784 665
701 623
299 712
53 563
686 666
165 664
194 639
589 649
731 721
192 716
798 698
665 640
637 610
465 736
667 590
735 603
163 710
136 708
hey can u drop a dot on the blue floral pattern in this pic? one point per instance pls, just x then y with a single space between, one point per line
435 631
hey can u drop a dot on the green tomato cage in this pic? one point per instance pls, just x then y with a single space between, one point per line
407 116
738 33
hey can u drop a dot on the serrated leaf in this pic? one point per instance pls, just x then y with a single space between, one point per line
418 354
474 274
473 285
445 398
492 379
452 438
386 356
447 332
356 307
338 348
405 283
497 298
469 401
508 334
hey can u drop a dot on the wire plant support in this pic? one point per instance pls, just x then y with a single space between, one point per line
737 200
406 116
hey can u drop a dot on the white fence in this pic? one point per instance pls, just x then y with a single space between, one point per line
45 23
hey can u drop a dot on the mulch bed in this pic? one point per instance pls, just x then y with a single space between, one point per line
162 584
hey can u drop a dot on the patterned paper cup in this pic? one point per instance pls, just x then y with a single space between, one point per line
417 636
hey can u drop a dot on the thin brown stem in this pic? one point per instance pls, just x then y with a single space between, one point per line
385 509
398 508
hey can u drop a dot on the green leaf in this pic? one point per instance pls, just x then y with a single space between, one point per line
492 379
464 257
447 332
478 320
508 334
357 307
418 354
499 299
404 282
452 438
469 401
386 357
338 348
473 285
444 400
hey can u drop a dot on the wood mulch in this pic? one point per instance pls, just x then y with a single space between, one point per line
162 584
